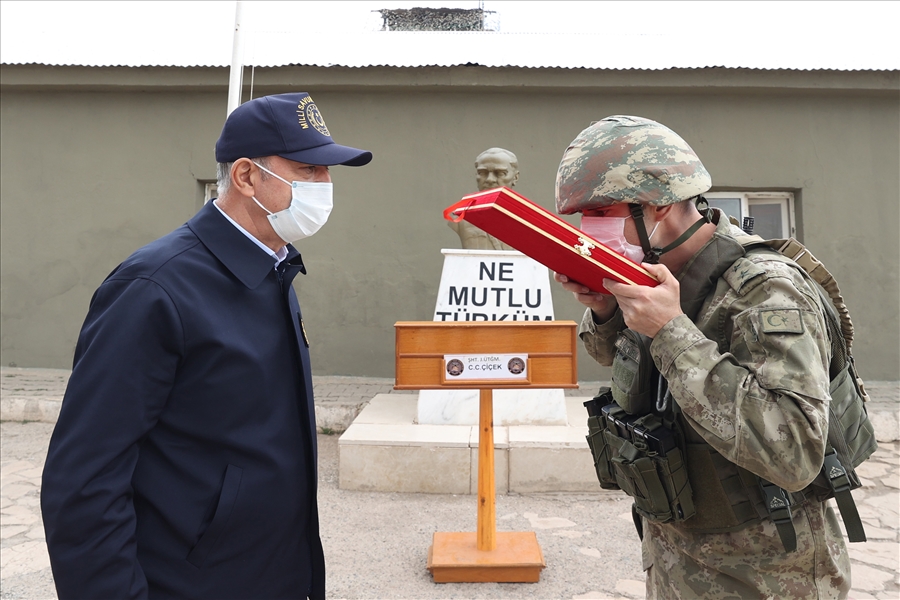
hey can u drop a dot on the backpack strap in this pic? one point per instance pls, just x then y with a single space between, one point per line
809 263
837 478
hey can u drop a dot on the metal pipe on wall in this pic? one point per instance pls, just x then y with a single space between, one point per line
236 78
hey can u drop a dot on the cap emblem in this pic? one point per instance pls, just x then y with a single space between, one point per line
308 114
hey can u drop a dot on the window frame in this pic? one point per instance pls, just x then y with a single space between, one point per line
748 199
210 191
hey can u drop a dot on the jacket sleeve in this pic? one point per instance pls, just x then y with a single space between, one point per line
125 363
764 404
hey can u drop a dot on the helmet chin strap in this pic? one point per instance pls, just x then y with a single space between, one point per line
651 253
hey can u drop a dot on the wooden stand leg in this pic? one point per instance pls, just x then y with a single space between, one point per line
487 512
485 555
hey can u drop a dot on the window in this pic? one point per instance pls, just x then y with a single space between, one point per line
210 191
772 212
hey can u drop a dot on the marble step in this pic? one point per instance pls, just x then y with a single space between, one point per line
385 450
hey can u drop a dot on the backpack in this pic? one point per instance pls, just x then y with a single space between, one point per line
851 437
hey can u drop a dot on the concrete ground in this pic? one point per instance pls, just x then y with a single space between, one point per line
376 543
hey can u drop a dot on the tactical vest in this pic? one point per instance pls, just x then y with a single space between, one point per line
642 445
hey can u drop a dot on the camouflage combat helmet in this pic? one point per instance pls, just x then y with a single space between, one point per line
628 159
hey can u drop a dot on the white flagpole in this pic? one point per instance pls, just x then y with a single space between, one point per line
236 79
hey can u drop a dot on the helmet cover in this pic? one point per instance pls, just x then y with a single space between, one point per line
628 159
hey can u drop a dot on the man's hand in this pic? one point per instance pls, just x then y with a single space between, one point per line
647 309
602 305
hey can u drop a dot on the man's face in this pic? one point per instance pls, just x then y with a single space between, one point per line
494 170
276 195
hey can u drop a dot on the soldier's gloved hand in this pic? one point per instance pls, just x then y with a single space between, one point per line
602 305
647 309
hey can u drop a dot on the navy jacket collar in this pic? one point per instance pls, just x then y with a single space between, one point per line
247 261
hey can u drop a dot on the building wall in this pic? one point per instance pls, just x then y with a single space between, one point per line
93 167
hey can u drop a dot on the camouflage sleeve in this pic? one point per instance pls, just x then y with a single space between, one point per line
764 404
600 339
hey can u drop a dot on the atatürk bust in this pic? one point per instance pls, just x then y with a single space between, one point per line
495 167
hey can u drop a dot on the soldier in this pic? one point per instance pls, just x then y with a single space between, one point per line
740 341
495 167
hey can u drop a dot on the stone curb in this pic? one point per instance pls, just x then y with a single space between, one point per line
42 409
336 416
339 399
331 417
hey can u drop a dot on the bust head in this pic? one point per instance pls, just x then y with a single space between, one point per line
496 167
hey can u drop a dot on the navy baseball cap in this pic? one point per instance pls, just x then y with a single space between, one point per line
285 125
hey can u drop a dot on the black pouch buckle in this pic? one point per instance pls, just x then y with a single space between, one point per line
839 481
778 505
835 473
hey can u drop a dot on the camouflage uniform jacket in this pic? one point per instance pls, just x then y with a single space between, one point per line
748 366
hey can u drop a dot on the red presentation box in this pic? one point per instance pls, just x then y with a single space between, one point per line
538 233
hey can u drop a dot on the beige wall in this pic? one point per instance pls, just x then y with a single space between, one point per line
97 162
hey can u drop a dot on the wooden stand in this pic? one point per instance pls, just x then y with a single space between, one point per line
485 555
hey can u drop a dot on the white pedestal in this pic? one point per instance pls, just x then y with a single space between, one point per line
511 407
384 450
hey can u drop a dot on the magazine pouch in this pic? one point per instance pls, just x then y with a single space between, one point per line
648 465
633 373
596 438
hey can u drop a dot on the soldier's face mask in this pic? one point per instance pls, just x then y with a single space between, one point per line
311 203
610 231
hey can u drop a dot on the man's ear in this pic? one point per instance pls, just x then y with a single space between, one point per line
661 213
244 177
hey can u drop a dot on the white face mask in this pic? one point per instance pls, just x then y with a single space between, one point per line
311 203
610 231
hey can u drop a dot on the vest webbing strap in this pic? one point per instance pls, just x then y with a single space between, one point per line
778 504
840 485
786 533
638 524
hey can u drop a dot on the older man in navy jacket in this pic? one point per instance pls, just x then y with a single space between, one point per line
183 464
